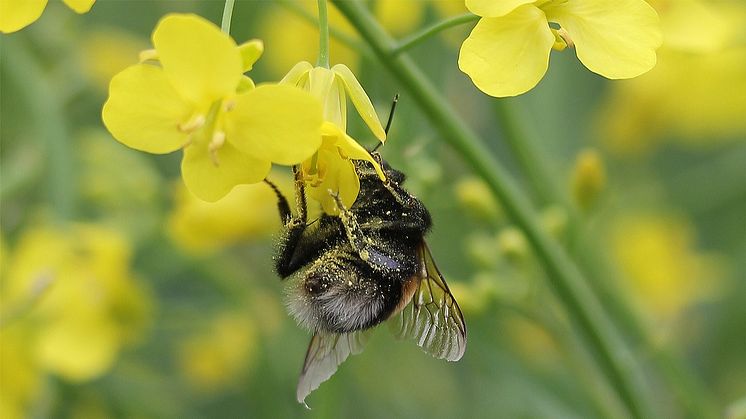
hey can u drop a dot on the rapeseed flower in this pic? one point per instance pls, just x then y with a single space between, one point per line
666 271
17 14
507 52
693 94
198 100
331 168
248 212
75 292
215 358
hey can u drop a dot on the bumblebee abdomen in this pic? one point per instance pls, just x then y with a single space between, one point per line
341 292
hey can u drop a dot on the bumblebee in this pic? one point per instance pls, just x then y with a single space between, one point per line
351 272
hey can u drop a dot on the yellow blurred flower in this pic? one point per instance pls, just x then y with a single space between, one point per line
532 341
121 185
20 375
666 271
216 357
291 38
73 290
508 50
694 93
331 168
199 100
17 14
399 17
247 212
106 51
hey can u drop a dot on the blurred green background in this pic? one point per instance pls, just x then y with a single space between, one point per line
124 296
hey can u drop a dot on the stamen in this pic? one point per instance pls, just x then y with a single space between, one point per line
193 124
148 54
218 139
566 37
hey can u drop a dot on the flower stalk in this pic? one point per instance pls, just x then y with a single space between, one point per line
225 24
568 282
323 60
434 29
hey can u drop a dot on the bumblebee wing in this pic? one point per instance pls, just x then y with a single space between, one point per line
433 318
325 353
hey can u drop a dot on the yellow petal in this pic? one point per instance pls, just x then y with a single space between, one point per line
277 123
614 38
349 148
17 14
245 84
339 177
80 6
320 82
210 182
143 110
348 183
202 63
494 8
250 53
293 77
360 100
507 56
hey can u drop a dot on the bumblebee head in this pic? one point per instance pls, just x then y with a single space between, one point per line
365 169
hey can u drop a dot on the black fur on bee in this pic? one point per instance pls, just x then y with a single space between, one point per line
351 272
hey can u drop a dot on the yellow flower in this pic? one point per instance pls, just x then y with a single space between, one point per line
693 94
73 289
199 100
106 51
507 53
17 14
247 212
666 271
294 38
20 376
215 358
331 168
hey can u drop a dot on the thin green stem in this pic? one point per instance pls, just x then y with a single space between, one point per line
47 123
524 145
520 141
323 60
568 283
429 31
335 33
225 24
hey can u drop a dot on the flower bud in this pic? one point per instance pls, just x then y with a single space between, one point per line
588 179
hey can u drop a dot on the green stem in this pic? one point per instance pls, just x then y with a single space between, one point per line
47 123
514 126
352 43
225 24
429 31
569 285
524 145
323 60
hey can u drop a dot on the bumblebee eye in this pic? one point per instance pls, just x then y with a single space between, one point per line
314 283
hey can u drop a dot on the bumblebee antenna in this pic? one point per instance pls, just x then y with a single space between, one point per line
390 120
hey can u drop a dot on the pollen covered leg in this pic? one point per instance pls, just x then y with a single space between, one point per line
294 226
355 234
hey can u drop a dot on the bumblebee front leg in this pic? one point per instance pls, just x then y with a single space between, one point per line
294 226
